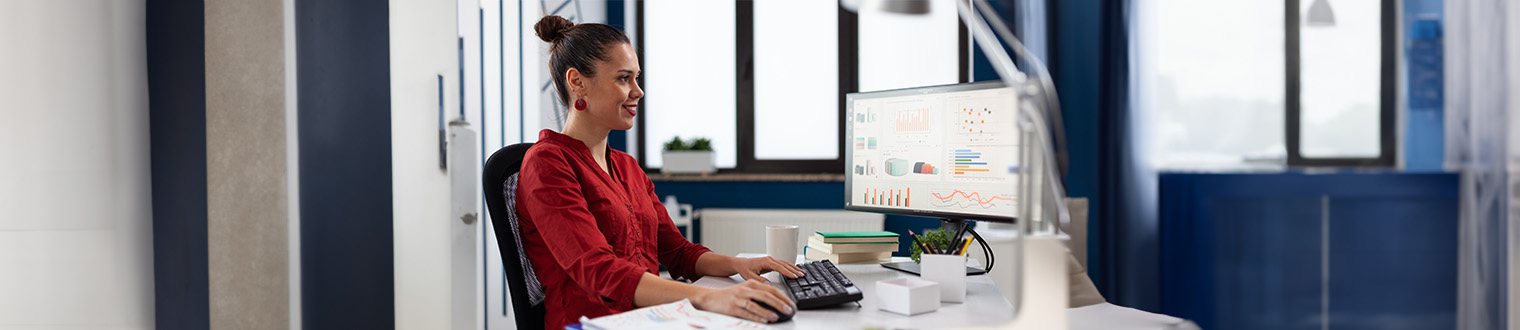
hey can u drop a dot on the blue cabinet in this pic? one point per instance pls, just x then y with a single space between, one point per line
1300 251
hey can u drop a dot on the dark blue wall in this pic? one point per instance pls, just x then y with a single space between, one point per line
342 49
176 45
788 195
617 139
1249 251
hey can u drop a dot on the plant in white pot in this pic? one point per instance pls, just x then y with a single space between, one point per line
681 157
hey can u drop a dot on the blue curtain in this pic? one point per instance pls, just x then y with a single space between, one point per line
1090 57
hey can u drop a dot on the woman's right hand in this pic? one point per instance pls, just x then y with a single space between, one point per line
740 301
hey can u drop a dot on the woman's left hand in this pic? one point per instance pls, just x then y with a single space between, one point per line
751 268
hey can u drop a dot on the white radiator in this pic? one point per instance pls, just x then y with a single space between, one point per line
734 231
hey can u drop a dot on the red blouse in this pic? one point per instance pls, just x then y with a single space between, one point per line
591 236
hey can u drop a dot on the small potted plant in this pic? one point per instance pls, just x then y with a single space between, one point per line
694 157
936 239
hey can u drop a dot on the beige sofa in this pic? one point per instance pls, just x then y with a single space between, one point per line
1088 309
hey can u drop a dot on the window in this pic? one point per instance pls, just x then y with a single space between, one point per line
795 92
901 51
1233 83
1209 108
794 61
688 76
1342 112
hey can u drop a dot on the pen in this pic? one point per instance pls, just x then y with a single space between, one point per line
921 245
964 246
961 233
916 242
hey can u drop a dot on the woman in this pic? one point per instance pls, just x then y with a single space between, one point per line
592 225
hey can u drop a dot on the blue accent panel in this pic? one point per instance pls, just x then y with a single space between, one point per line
1424 147
1393 261
1270 276
1424 140
347 266
779 195
1247 251
176 45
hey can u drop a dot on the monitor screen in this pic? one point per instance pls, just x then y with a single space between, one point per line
939 151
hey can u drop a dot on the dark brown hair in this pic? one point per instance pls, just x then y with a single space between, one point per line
577 46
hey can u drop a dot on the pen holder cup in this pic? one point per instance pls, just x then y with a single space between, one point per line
949 271
907 296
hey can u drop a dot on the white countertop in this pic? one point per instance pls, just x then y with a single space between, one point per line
984 304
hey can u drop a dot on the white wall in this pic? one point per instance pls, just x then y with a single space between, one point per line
500 126
423 45
509 47
75 217
540 103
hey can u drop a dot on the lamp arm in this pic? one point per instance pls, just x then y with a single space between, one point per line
1056 190
983 32
986 32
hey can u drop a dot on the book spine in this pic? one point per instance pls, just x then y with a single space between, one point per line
851 247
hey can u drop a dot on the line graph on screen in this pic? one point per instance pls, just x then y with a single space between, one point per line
963 199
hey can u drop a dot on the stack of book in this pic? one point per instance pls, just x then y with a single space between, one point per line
850 246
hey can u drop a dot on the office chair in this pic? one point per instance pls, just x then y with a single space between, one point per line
500 187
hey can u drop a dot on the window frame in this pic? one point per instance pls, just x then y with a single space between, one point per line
744 119
1387 99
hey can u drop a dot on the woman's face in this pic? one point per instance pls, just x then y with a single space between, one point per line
612 97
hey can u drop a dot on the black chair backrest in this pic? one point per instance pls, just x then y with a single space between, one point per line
502 165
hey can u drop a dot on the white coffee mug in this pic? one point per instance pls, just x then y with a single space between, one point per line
781 242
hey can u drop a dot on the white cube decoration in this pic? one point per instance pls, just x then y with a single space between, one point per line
907 296
947 270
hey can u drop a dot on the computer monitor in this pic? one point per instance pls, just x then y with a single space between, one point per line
946 151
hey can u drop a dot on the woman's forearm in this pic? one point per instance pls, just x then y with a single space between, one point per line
713 264
654 290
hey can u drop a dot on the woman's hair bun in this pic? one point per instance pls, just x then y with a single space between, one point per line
551 28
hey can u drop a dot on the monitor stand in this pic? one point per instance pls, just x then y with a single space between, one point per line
950 225
912 268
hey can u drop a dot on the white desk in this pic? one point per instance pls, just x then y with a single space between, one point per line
984 304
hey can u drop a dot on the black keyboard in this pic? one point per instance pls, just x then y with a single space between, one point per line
823 286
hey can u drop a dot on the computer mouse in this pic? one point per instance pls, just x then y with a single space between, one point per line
780 316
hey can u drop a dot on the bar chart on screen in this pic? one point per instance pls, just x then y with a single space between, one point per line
865 116
865 168
865 143
913 120
886 197
901 167
968 161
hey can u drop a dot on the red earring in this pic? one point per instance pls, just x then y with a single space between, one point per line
580 104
